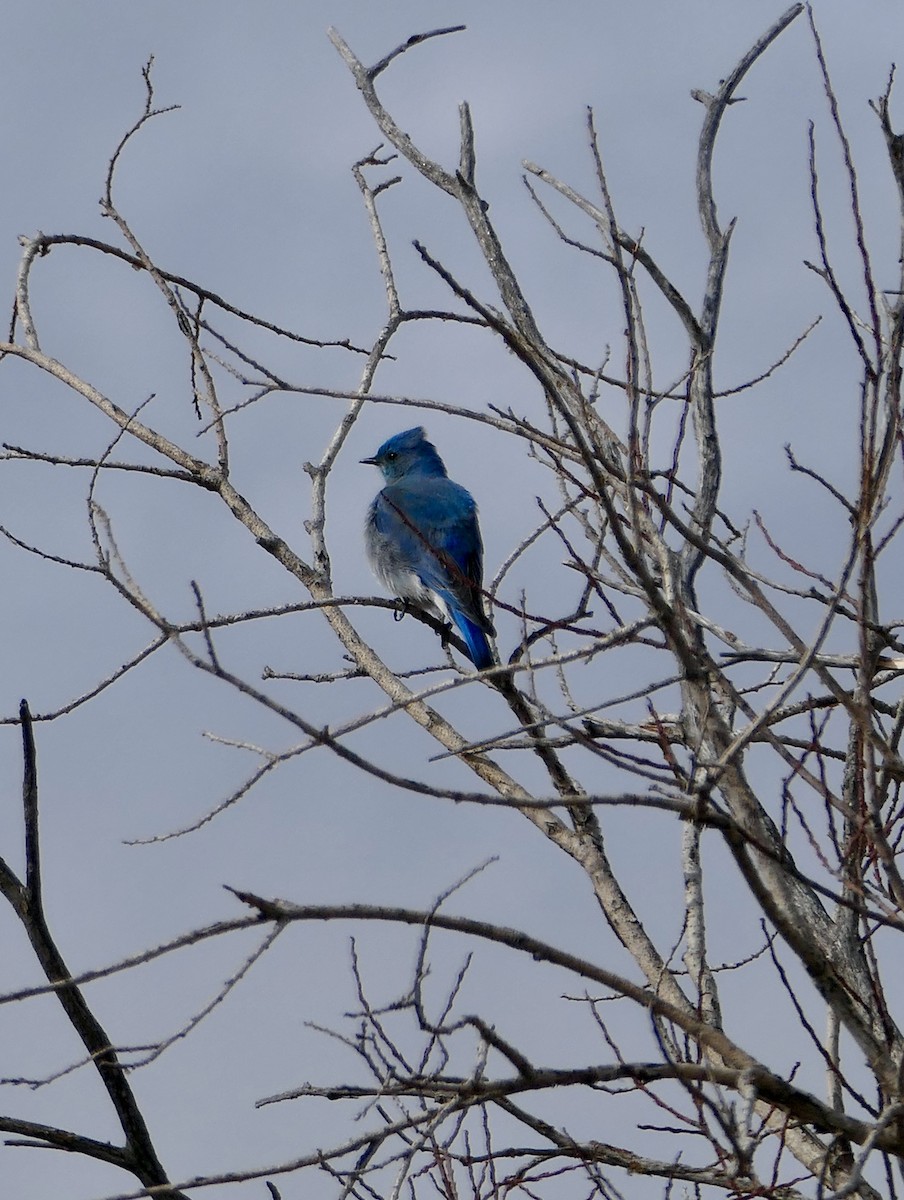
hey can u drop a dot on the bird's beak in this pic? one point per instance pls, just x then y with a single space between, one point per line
369 462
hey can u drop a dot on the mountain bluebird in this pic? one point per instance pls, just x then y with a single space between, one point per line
423 540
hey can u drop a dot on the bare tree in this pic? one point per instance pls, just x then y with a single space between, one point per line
731 695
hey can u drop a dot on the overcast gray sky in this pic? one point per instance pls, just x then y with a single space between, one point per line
247 189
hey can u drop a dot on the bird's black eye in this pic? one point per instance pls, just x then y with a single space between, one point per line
391 456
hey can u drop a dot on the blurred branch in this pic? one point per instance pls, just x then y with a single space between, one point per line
137 1155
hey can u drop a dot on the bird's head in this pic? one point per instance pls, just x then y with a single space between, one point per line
406 454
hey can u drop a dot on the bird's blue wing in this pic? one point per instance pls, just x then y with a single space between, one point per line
435 524
432 524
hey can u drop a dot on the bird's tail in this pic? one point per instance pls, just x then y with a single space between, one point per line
479 648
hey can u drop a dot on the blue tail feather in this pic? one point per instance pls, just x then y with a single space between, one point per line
475 639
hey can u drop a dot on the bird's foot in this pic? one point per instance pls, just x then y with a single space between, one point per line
403 608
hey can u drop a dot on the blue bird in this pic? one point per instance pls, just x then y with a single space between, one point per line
423 540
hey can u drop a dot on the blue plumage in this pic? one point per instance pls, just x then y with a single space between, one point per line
423 540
